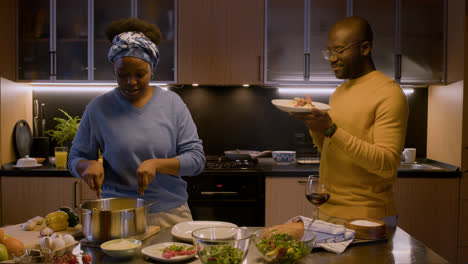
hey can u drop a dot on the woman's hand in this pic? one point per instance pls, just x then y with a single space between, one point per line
316 120
146 173
92 172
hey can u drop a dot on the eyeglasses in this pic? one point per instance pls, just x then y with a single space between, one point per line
338 51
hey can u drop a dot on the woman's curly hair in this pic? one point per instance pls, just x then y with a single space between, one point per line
151 31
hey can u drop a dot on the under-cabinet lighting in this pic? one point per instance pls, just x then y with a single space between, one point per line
245 85
195 84
80 87
407 91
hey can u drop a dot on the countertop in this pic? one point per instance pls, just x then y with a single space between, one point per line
399 248
268 167
271 169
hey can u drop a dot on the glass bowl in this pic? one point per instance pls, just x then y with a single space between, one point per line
121 248
216 245
284 248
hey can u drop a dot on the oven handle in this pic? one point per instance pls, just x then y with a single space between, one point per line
215 193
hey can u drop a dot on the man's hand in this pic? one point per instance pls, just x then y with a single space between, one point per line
92 172
316 120
146 173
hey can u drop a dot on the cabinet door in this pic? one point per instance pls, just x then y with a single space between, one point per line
34 45
162 14
285 198
201 41
71 29
381 17
105 12
422 41
26 197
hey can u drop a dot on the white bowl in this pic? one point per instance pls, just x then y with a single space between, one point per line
121 248
284 157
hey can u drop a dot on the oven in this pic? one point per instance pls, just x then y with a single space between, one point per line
227 190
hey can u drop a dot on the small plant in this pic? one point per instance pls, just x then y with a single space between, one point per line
65 130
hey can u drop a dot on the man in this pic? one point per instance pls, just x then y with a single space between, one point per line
361 137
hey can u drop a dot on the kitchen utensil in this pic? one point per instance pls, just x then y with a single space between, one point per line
43 125
111 218
156 252
221 244
121 248
22 139
286 105
296 247
284 157
183 231
266 153
239 154
409 155
36 118
366 228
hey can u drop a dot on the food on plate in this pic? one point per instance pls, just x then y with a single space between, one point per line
283 247
73 219
86 258
222 254
58 220
14 246
46 231
302 102
123 244
67 258
176 250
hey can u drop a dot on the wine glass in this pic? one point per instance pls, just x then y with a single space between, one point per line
316 193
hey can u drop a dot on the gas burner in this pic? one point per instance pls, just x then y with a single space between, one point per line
220 163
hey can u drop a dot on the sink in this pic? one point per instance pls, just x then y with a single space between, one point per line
417 166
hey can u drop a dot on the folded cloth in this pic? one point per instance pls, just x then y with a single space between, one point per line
331 237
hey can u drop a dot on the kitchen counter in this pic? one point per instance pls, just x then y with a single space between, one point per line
434 169
399 248
268 167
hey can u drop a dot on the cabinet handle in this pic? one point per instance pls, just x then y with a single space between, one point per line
306 65
398 67
301 182
214 193
259 68
74 194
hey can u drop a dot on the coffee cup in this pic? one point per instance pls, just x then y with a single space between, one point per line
409 155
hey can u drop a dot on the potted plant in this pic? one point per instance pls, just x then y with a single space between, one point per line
65 130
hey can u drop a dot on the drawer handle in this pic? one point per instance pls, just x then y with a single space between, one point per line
215 193
302 182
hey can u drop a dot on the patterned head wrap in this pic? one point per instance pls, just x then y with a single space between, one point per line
134 44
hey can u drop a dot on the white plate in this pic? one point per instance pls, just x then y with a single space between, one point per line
183 231
154 252
28 167
287 106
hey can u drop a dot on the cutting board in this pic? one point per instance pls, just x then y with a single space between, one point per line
31 238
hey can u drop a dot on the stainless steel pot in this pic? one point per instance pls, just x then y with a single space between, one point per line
106 219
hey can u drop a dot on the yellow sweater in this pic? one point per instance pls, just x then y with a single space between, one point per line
359 163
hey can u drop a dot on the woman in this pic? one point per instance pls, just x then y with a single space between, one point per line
146 135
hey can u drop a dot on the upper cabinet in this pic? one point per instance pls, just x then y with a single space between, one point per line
408 44
65 41
220 42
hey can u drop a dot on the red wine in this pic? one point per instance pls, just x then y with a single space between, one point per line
318 198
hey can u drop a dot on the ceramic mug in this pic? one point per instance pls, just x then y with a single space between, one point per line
409 155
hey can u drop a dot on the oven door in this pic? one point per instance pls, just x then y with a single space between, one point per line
234 198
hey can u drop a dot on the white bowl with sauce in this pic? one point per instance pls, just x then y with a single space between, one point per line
121 248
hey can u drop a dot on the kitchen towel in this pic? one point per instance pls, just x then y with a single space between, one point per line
331 237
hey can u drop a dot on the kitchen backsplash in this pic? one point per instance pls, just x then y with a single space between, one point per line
240 117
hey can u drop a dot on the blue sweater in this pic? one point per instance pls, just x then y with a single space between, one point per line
127 136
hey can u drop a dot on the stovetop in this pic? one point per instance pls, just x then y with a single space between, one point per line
222 163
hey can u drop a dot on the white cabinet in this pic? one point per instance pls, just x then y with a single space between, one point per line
285 198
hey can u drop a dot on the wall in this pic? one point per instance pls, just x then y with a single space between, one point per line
239 117
7 45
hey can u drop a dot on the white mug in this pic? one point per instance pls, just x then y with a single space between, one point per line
409 155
